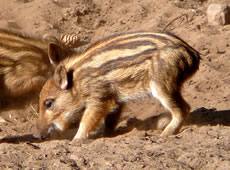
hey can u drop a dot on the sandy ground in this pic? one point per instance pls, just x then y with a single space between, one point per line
204 141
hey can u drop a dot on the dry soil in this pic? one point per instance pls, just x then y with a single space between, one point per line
204 141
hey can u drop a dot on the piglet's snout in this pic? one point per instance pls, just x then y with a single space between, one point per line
51 131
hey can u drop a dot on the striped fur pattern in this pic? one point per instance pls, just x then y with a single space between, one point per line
125 67
26 62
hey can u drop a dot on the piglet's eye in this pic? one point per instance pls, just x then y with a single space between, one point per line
49 103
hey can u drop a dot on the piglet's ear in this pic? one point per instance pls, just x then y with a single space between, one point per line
55 53
61 77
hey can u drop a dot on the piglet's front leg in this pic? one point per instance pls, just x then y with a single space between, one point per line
90 119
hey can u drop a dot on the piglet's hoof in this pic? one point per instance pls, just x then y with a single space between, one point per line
80 141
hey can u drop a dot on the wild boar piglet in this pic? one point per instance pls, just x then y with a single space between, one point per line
26 62
95 85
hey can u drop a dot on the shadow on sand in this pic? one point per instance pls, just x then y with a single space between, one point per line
200 117
213 117
18 139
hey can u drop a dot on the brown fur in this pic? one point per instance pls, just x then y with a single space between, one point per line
25 63
129 66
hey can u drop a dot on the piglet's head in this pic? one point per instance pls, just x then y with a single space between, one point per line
59 107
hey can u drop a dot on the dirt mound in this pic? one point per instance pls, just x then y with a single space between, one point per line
204 140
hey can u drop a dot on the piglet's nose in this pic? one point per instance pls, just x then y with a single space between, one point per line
40 134
37 135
